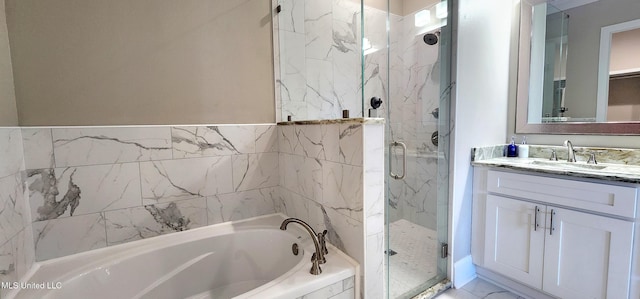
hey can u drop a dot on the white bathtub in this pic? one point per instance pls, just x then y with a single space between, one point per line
242 259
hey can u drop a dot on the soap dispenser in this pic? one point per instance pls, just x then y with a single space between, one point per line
512 148
523 149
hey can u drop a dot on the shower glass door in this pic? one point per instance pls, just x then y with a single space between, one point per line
417 78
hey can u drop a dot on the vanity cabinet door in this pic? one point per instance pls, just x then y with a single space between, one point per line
513 246
586 256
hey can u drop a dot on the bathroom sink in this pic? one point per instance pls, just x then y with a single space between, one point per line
570 165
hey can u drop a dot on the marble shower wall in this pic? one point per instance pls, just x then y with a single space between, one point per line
332 175
91 187
16 241
320 58
414 88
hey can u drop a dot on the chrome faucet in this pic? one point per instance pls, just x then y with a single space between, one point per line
571 155
318 256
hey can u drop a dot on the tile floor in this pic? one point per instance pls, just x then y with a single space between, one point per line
478 289
415 258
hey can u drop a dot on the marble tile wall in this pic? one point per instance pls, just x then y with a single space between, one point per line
344 289
16 241
91 187
330 179
319 59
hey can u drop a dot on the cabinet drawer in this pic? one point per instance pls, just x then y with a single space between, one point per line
603 198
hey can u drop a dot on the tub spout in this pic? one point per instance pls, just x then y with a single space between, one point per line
318 256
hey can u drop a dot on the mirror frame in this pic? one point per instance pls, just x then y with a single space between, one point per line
523 43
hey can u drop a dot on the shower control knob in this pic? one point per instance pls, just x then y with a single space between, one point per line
376 102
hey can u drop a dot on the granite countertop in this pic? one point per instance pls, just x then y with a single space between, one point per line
620 165
358 120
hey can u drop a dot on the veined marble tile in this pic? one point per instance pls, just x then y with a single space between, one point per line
351 144
241 205
318 18
287 139
255 171
310 141
152 220
11 151
12 214
164 181
38 148
65 236
329 291
292 204
266 139
291 18
342 189
293 82
374 266
296 109
89 146
331 142
344 10
321 102
344 233
199 141
302 175
25 253
374 174
71 191
8 271
346 70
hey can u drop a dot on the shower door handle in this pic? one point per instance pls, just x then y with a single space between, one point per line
404 160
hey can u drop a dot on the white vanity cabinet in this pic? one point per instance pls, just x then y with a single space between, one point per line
566 238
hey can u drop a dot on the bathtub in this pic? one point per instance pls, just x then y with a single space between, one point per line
242 259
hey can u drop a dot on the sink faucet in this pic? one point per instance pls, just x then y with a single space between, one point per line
571 155
318 256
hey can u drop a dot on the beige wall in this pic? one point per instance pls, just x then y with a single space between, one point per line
625 48
584 43
8 113
96 62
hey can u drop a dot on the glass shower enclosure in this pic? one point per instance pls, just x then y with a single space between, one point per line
417 118
344 55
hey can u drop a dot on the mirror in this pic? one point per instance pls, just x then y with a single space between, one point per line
578 71
128 62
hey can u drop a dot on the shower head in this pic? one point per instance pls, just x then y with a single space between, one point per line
431 38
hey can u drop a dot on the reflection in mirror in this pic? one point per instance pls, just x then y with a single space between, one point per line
619 73
560 88
548 64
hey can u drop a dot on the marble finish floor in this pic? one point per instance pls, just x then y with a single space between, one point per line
478 289
415 260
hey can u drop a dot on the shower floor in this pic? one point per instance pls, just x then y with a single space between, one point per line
415 260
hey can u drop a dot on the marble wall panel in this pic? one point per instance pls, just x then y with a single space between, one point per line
16 240
96 145
128 225
60 237
171 180
38 148
242 205
64 192
112 185
207 141
255 171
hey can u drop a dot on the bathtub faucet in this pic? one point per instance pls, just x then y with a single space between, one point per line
318 256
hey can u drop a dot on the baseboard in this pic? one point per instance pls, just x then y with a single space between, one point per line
463 272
